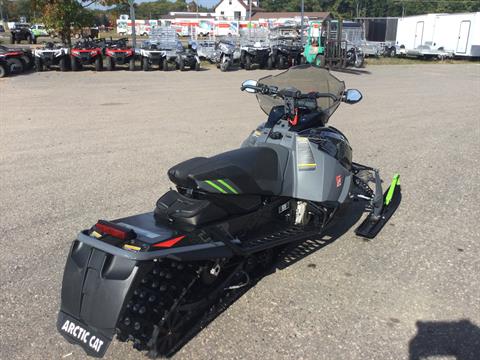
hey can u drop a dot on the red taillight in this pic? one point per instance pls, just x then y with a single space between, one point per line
114 230
169 243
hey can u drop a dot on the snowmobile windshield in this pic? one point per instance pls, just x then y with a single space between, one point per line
306 78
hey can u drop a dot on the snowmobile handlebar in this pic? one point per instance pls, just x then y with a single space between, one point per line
253 87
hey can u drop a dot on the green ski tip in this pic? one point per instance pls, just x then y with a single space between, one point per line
391 189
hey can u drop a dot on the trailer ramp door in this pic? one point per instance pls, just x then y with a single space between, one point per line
418 35
463 35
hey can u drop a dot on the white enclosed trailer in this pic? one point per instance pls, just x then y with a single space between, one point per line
456 34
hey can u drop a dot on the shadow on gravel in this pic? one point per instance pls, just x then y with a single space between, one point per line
288 256
352 71
460 339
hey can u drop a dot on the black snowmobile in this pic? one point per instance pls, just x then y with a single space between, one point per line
153 278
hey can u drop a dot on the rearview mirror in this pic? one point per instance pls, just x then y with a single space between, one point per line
248 84
352 96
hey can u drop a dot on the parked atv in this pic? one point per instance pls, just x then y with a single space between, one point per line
19 60
187 57
156 278
4 66
226 53
257 52
52 55
286 47
150 55
118 52
87 52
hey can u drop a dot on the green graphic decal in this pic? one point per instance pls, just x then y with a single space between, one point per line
226 185
215 186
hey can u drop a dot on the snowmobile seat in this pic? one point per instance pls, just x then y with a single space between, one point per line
251 170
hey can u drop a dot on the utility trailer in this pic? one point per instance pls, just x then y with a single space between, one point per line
439 35
380 34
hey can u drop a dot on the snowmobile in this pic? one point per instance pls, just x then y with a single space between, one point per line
152 278
51 55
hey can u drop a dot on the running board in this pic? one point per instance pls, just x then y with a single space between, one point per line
248 247
372 225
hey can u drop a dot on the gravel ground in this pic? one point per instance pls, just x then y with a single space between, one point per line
76 147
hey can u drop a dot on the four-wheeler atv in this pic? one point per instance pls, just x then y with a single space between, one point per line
226 53
254 49
117 52
22 32
286 47
155 278
52 55
187 57
150 55
4 66
19 60
87 52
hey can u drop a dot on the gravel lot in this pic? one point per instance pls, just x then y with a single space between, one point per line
76 147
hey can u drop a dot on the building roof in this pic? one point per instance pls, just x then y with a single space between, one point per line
290 14
187 16
244 3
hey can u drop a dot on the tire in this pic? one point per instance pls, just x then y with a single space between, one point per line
4 71
131 64
281 62
165 65
16 65
392 52
74 63
320 60
248 63
98 63
109 63
12 39
34 40
30 39
359 61
181 64
225 65
38 64
27 61
145 64
302 60
62 64
270 63
197 66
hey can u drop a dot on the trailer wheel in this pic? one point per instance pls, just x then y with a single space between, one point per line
74 63
109 63
62 64
248 62
98 63
3 70
359 60
131 64
145 64
320 60
165 64
38 64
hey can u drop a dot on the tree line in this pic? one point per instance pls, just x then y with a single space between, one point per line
65 15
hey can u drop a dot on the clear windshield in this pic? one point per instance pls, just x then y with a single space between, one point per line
306 78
